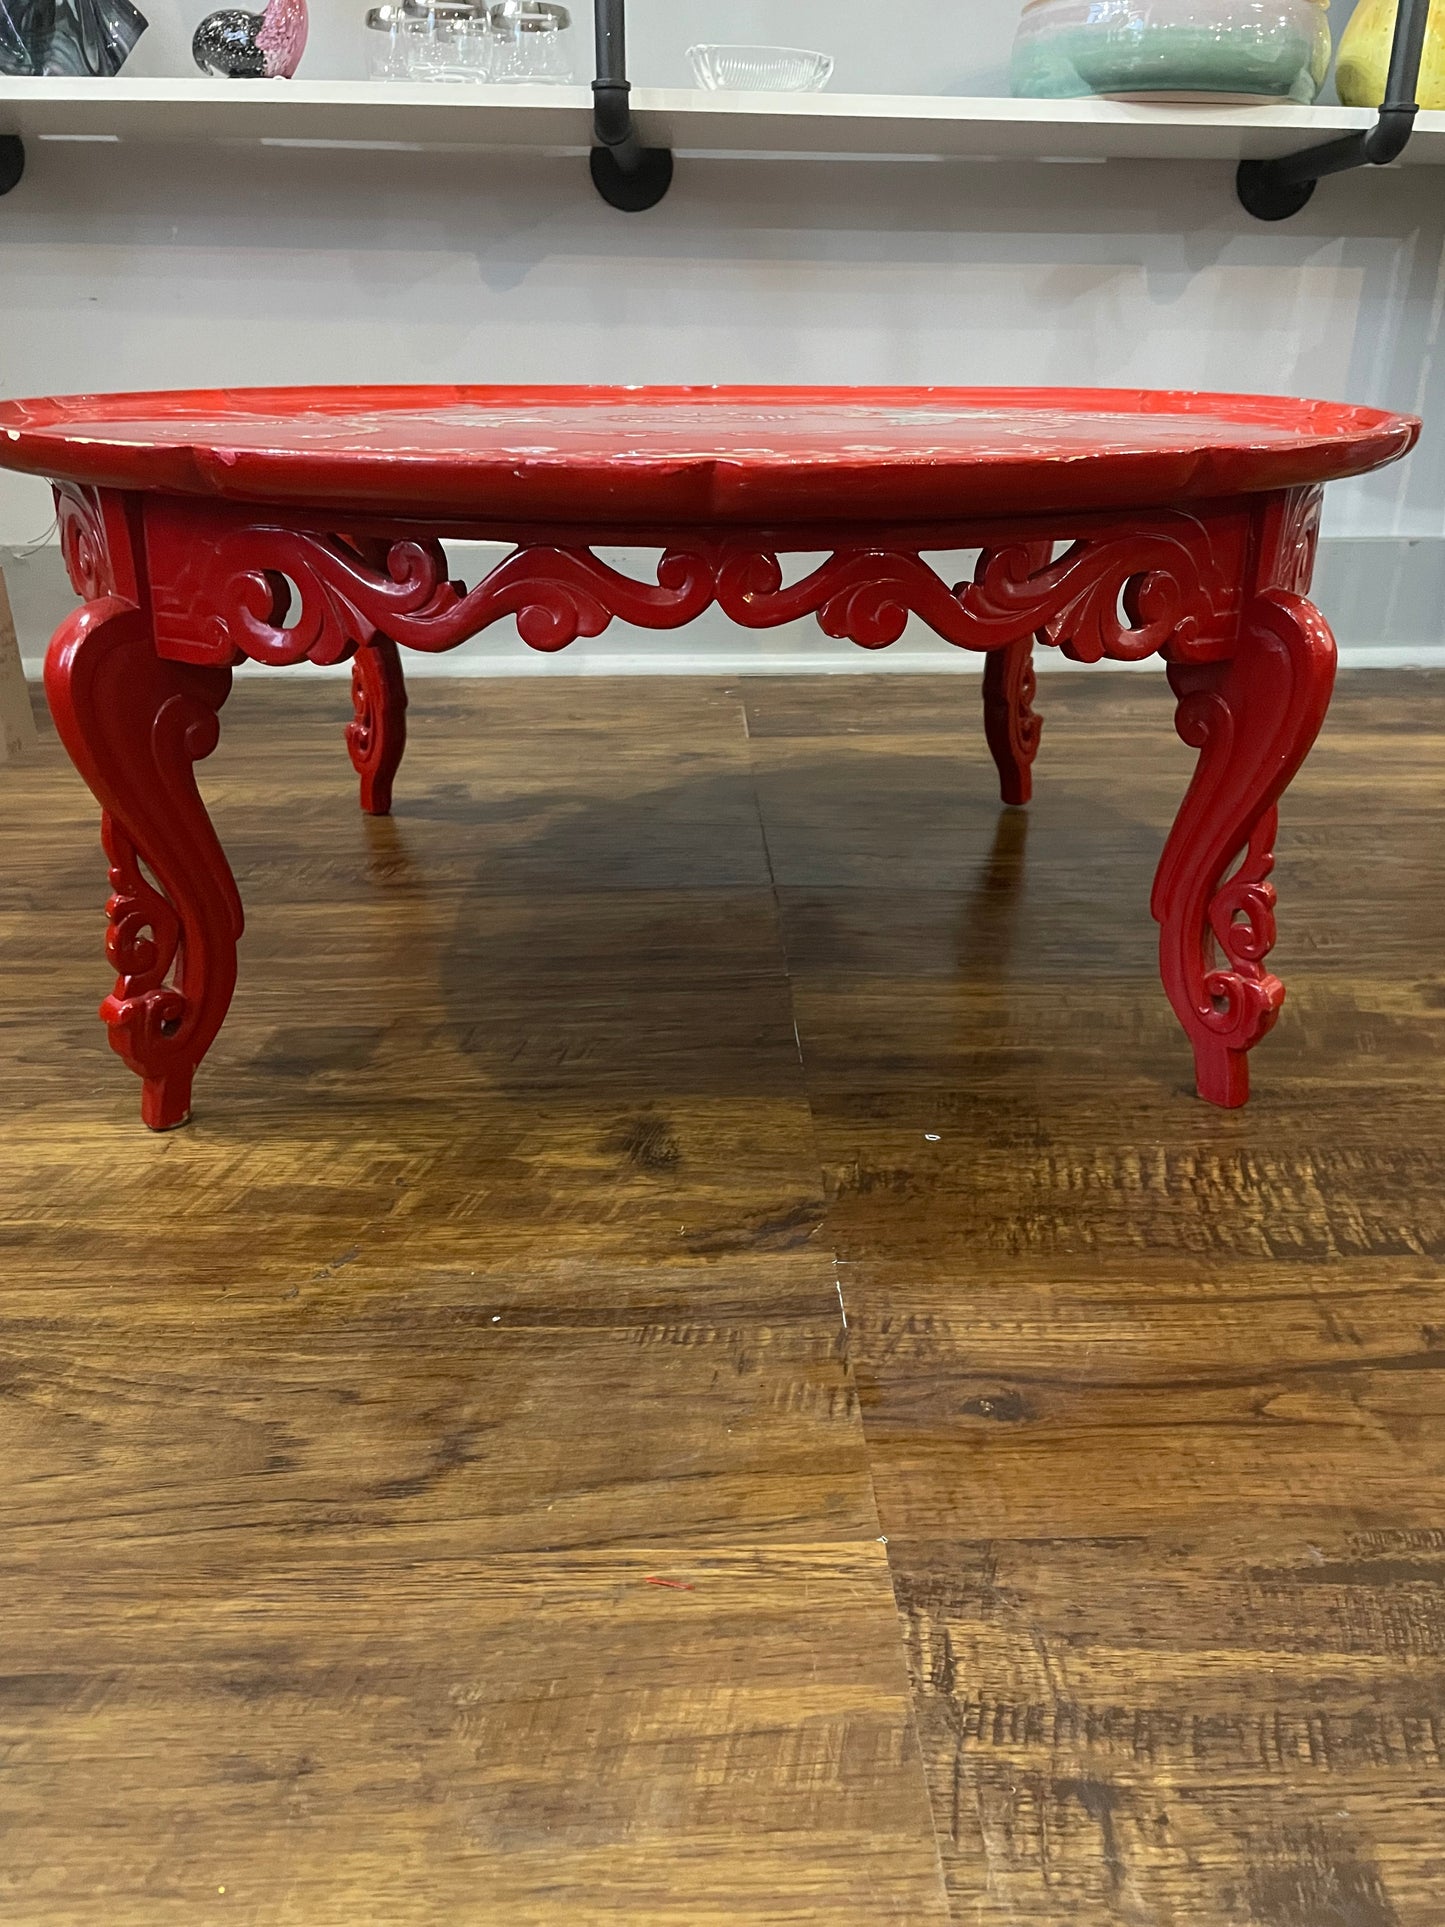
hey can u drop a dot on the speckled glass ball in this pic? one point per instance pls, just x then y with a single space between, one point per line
225 44
236 45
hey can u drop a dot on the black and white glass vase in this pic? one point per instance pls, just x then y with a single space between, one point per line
71 37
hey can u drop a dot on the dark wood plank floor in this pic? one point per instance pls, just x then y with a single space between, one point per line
439 1484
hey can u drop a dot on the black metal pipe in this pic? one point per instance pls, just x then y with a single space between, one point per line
625 173
612 123
1274 190
611 22
611 90
12 161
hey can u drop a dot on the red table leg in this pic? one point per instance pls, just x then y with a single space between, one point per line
1252 719
134 725
376 735
1009 721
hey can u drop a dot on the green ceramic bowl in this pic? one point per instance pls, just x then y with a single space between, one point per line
1245 49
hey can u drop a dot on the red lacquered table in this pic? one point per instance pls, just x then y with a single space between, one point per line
289 524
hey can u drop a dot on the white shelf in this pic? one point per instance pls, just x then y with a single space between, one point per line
912 126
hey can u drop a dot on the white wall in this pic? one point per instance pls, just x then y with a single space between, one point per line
138 266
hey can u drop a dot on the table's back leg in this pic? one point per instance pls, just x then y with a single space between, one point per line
376 734
134 725
1253 719
1009 722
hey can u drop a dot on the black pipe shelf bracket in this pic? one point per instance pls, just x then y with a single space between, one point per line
625 173
1274 190
12 161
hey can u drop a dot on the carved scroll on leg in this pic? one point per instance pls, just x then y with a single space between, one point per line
1009 722
1252 719
376 734
134 726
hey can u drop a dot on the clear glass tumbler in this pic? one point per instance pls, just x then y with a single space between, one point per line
454 43
429 40
387 54
531 41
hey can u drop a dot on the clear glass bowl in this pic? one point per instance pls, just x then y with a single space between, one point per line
761 70
1173 49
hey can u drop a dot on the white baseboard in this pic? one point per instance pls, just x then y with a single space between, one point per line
1384 596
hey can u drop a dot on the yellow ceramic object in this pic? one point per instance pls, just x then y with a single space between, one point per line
1365 55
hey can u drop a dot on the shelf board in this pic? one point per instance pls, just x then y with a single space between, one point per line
907 126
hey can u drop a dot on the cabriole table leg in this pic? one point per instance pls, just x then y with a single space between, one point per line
134 726
1253 719
1009 722
376 734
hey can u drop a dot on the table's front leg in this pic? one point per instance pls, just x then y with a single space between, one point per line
134 726
1253 719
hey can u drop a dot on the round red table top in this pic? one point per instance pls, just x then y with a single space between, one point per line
665 455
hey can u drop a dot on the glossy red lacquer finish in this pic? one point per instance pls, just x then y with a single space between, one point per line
715 454
205 530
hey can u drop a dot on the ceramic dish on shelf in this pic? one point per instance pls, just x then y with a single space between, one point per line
761 70
1199 98
1213 52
